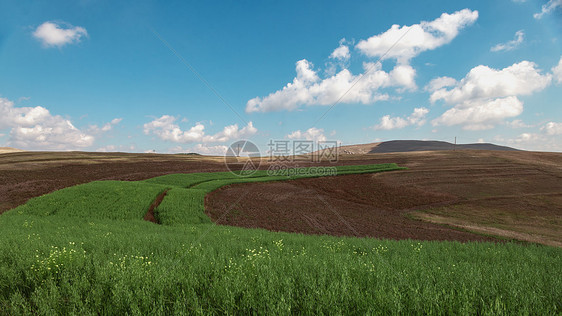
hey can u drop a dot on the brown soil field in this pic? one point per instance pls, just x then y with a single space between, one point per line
442 196
351 205
514 195
30 174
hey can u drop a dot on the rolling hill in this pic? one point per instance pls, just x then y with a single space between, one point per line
416 145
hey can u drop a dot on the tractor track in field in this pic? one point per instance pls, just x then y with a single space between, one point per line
150 216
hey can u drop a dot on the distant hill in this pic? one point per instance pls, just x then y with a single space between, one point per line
416 145
6 150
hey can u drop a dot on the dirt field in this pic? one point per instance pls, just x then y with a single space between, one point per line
512 194
352 205
30 174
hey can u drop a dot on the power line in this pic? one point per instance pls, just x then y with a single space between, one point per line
199 76
361 77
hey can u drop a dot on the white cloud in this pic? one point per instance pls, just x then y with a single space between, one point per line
52 34
534 141
314 134
552 128
402 76
511 45
484 82
114 148
420 37
308 88
218 150
550 6
37 128
440 82
526 137
557 71
341 53
480 114
486 96
416 118
109 126
165 128
517 124
106 127
231 132
108 148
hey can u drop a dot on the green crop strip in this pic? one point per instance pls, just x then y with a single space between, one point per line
86 250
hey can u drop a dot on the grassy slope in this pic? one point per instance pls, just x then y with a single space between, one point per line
119 200
90 265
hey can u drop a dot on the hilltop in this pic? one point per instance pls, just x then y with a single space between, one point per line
416 145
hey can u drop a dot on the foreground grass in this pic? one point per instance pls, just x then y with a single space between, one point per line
89 263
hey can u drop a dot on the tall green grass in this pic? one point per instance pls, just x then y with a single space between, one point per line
120 200
181 207
90 264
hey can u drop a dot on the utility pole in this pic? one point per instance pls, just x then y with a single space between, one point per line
455 146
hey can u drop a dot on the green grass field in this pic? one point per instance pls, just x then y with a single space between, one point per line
86 250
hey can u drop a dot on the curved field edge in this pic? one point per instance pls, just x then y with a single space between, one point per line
84 265
183 204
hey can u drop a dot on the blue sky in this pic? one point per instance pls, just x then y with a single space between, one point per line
118 76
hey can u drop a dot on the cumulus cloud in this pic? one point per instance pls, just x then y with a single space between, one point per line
37 128
109 126
552 128
113 148
526 138
166 128
511 45
480 114
314 134
217 150
106 127
533 141
416 118
440 82
308 88
484 82
517 124
547 8
426 35
108 148
486 96
51 34
231 132
557 71
341 53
